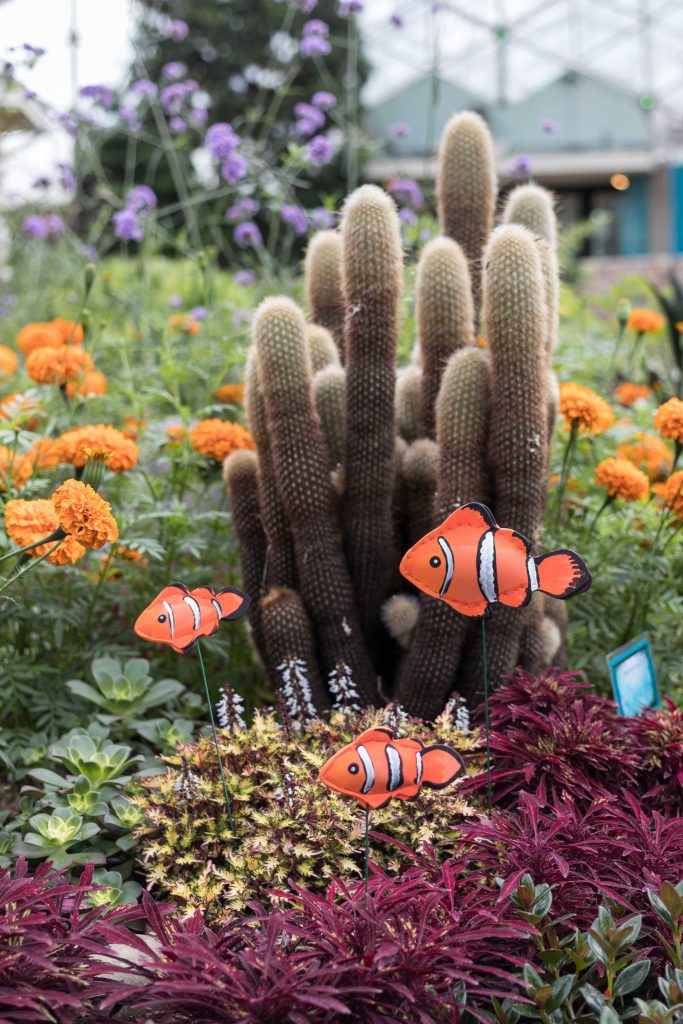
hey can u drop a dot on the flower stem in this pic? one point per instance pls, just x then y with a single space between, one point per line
29 566
215 738
56 535
567 460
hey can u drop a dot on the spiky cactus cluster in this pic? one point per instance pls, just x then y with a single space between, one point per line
356 459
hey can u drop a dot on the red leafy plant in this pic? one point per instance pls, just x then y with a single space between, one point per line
554 729
416 951
48 935
611 849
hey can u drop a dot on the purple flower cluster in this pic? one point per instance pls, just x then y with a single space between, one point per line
322 219
319 151
400 130
406 192
181 102
348 8
295 217
244 278
315 39
243 208
177 30
309 119
143 87
129 222
521 168
247 235
223 142
43 226
101 95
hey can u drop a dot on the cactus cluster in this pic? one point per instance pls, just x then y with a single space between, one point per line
356 459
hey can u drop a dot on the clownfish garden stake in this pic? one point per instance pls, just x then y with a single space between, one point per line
377 767
179 617
471 563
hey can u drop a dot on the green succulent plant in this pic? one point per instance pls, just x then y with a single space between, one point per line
116 893
91 754
286 824
125 690
165 735
55 836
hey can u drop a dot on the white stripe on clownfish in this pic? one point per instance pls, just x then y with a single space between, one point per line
395 769
487 572
171 619
196 610
219 610
369 769
418 762
450 564
533 573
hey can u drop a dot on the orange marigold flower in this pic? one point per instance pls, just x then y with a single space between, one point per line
85 514
628 394
622 480
230 393
58 365
186 324
8 362
91 384
29 521
20 409
15 469
175 434
131 555
44 454
669 420
70 447
39 335
217 438
70 332
642 320
673 496
132 427
648 453
580 405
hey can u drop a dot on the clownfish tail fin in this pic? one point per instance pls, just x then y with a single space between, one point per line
441 765
562 574
233 602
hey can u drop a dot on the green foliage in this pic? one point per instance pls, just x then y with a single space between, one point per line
287 825
595 976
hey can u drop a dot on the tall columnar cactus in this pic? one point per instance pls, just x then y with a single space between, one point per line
372 280
445 317
466 188
324 298
301 464
357 461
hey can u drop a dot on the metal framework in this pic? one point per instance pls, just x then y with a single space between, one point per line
504 50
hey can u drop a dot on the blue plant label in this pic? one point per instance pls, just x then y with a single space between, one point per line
633 677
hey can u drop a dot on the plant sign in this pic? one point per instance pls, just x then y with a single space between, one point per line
471 563
634 681
178 617
378 766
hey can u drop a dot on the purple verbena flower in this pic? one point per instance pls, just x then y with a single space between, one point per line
407 215
324 100
396 20
295 217
198 116
521 167
242 209
319 151
244 278
347 8
308 6
309 119
66 177
549 126
198 313
177 30
68 125
400 130
247 234
175 301
55 225
241 316
177 125
141 199
174 70
29 94
322 219
101 94
315 39
221 140
234 168
406 191
143 87
127 226
35 225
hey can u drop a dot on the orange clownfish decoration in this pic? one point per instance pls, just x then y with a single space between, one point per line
178 616
471 563
376 767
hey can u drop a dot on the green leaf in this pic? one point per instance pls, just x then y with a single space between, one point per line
595 999
86 691
631 978
561 991
49 778
609 1016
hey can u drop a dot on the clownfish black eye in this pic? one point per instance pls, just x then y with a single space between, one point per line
353 769
435 561
162 618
